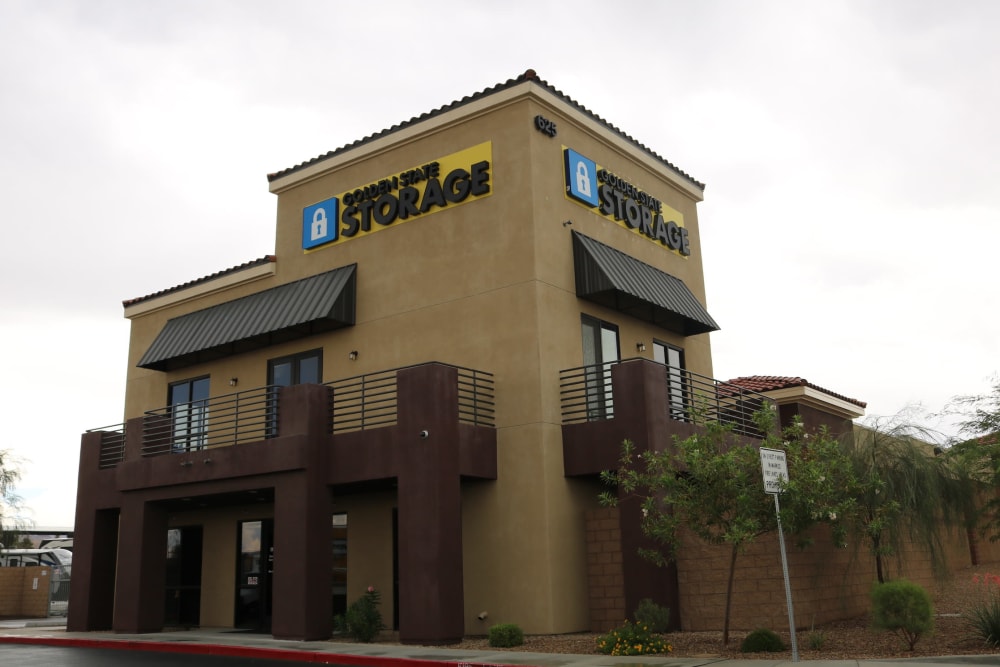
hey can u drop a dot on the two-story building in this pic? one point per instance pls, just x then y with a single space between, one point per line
463 317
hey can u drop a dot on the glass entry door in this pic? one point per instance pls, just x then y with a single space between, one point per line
183 595
253 575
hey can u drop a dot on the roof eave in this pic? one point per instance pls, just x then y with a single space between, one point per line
527 85
814 398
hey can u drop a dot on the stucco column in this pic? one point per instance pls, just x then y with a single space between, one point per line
301 604
641 404
95 538
431 592
142 558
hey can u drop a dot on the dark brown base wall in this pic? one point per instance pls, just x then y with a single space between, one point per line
119 575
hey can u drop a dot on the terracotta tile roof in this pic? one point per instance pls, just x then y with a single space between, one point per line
218 274
762 383
529 75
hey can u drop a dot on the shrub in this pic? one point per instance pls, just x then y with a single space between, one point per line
505 635
652 615
904 608
762 640
817 638
363 620
632 639
983 615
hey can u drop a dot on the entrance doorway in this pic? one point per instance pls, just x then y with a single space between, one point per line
183 595
255 548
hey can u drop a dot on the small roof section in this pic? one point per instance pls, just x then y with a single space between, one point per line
320 303
266 259
763 383
613 279
529 75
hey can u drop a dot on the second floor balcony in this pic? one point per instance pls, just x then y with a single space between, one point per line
358 419
648 403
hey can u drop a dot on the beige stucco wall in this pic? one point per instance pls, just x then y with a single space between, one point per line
489 285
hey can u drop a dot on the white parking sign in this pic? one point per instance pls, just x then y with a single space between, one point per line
775 469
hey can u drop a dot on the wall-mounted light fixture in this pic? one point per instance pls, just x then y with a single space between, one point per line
353 355
233 382
640 347
567 223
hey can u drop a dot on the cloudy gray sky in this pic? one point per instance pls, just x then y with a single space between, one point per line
850 149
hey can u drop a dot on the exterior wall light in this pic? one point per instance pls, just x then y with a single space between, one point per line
353 355
233 382
640 347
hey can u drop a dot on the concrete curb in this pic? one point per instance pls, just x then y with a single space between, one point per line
318 657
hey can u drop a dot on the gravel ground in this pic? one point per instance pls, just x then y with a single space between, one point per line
843 640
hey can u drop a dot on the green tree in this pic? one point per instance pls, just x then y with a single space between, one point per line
906 491
976 456
711 484
11 518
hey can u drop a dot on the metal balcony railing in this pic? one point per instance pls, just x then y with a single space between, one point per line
370 401
360 402
476 400
586 395
112 445
245 416
363 401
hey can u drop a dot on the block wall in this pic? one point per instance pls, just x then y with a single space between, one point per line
828 583
19 596
605 578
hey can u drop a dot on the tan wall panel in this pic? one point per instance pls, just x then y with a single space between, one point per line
490 225
369 546
507 557
524 538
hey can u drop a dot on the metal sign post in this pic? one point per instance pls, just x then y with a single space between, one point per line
775 469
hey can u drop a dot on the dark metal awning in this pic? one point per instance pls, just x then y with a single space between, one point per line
613 279
302 308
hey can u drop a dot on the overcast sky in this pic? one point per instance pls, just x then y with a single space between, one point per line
851 153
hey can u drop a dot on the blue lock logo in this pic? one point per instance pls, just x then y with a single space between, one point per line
581 177
319 223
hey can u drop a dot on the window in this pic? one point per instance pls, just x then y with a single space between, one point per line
188 401
600 352
301 368
673 358
339 542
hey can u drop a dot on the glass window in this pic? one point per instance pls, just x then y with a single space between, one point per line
302 368
188 401
281 374
673 358
600 352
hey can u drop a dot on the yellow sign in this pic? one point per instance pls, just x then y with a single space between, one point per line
420 190
614 198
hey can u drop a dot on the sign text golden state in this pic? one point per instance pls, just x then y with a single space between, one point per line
444 183
617 199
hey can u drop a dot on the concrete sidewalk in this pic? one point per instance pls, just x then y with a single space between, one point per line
53 632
